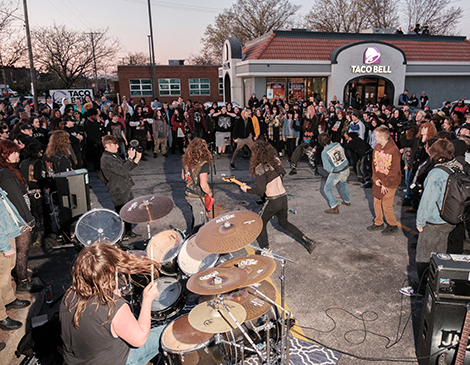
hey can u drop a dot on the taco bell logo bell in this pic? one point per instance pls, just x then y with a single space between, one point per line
372 56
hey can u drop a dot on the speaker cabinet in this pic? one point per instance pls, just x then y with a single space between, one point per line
73 194
441 325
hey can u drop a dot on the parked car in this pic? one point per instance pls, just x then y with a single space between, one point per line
6 91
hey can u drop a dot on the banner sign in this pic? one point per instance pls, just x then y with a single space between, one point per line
71 94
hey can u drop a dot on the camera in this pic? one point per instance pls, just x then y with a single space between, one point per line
136 146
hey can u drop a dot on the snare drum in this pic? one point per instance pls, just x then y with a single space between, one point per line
192 259
99 225
170 300
185 345
164 248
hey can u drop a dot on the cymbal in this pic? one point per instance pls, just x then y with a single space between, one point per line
256 266
229 232
255 305
146 208
211 317
216 280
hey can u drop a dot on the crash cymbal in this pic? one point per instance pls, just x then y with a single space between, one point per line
146 208
229 232
255 305
216 280
256 266
212 317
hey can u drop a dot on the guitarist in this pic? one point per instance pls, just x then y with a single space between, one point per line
196 166
268 170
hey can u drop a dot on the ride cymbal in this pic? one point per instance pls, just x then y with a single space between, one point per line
146 209
216 280
211 317
256 266
255 305
229 232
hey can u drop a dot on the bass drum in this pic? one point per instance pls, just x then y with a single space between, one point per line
185 345
164 248
170 300
192 259
99 225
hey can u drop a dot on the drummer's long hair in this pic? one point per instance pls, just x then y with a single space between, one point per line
94 277
196 152
265 156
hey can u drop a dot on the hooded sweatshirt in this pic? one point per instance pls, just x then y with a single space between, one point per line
386 164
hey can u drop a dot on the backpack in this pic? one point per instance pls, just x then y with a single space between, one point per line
456 203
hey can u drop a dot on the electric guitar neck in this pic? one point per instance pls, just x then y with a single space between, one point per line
233 180
460 358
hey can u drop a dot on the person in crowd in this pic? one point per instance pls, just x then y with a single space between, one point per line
263 129
242 134
275 123
197 161
115 173
425 30
65 102
94 131
336 164
360 154
386 175
159 133
16 187
308 146
253 102
423 100
357 126
4 132
267 168
78 106
291 132
224 120
116 129
197 120
414 101
76 139
39 133
11 223
97 324
403 98
178 126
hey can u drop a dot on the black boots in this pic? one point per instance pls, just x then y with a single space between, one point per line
308 243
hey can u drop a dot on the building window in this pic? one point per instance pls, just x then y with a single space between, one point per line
199 87
140 87
169 87
221 86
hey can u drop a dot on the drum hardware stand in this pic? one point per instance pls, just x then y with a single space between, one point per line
216 303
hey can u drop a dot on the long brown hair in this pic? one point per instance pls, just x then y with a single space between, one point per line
196 152
265 155
59 141
94 276
8 147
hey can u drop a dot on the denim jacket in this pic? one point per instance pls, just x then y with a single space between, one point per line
333 158
288 131
434 190
8 227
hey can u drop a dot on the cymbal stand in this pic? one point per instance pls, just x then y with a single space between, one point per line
241 346
148 231
221 299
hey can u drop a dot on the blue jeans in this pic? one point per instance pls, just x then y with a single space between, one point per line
331 181
409 175
142 355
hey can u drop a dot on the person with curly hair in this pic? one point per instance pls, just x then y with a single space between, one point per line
196 166
267 168
97 324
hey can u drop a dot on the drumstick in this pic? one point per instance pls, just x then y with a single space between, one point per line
116 278
151 257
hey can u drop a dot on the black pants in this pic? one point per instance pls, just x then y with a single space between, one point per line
127 225
290 146
38 214
177 141
456 239
276 207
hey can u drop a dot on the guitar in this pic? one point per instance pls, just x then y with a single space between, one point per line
462 349
233 180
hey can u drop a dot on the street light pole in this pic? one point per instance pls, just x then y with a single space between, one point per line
154 73
32 72
152 69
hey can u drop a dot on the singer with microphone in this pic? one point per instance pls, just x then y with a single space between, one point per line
115 173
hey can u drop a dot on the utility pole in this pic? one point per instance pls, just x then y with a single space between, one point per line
152 69
32 72
94 60
4 87
154 74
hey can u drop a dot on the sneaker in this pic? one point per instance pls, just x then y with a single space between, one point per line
390 230
293 172
374 227
347 204
232 165
409 292
334 210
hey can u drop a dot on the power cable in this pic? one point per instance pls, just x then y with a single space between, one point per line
60 11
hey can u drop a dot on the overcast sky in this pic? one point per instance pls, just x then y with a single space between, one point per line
177 25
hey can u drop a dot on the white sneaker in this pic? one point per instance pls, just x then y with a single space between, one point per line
409 292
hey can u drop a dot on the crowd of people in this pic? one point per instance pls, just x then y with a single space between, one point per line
380 143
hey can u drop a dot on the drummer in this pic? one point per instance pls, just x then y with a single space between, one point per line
268 170
97 324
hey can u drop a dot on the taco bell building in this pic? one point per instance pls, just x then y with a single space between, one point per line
301 64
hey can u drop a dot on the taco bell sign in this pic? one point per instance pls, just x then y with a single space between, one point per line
370 63
372 56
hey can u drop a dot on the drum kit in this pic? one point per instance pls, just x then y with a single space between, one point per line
233 312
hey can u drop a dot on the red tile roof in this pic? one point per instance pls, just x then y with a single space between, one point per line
311 48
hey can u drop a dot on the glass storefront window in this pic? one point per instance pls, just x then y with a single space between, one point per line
297 88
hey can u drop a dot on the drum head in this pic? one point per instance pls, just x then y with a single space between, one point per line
192 259
99 225
169 290
164 246
179 337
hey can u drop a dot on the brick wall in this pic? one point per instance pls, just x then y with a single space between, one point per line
184 73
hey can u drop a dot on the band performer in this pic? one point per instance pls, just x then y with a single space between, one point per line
268 170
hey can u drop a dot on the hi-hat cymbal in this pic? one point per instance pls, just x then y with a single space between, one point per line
229 232
256 266
255 305
216 280
210 317
146 208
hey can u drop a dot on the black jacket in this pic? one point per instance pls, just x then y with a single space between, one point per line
16 191
242 130
117 173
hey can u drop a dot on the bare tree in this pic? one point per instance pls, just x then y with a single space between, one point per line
247 20
351 16
135 58
69 54
13 48
7 12
436 14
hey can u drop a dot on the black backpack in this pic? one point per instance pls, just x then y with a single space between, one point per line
456 203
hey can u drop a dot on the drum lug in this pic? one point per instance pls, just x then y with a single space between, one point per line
206 350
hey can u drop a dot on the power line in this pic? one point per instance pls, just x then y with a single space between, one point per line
184 7
78 11
50 2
